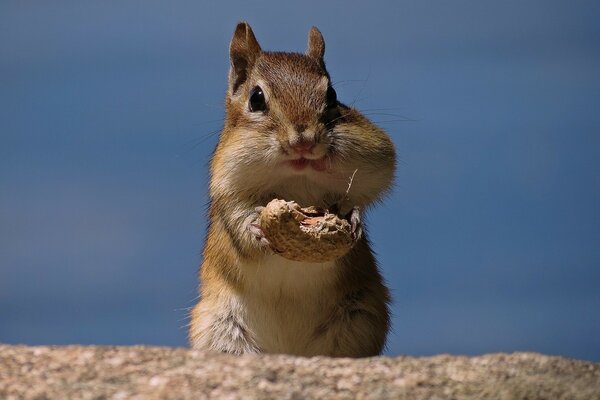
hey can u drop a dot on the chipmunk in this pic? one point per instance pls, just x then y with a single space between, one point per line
287 136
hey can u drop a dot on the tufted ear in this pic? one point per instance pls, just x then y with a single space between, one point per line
316 44
243 52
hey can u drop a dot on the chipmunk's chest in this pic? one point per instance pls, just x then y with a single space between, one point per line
286 301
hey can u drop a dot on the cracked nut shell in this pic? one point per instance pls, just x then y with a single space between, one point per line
305 234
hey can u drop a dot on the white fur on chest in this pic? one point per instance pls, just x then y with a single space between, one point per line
274 274
284 301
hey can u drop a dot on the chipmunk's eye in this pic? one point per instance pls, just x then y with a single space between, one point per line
331 97
257 100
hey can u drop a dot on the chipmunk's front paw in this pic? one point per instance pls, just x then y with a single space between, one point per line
253 226
355 222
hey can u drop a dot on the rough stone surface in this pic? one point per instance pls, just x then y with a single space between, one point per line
78 372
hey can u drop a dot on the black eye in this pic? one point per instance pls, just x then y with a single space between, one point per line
257 100
331 97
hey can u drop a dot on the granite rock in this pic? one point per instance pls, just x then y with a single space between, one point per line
138 372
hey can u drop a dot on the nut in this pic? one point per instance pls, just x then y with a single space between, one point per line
305 234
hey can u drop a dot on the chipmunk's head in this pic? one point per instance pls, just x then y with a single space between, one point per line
286 98
284 123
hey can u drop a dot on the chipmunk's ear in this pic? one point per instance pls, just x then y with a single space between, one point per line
243 52
316 44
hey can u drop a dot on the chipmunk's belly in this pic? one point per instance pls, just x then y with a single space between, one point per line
287 302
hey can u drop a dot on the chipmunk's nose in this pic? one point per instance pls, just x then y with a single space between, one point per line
301 139
303 147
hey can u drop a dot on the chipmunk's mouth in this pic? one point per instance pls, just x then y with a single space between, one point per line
302 163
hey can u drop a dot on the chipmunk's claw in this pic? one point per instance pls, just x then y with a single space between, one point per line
258 234
256 231
355 223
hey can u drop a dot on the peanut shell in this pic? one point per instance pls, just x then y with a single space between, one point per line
305 234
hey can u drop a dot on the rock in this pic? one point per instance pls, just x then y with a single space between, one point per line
79 372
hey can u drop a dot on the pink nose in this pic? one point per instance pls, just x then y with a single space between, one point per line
303 147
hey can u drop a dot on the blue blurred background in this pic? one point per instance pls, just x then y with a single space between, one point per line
109 111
